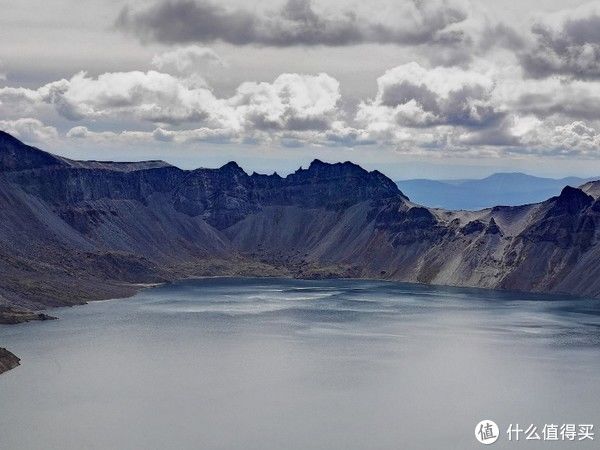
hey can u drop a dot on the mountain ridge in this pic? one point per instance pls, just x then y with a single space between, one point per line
502 188
74 231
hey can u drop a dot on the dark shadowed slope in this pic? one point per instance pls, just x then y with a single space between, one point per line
76 231
8 361
508 189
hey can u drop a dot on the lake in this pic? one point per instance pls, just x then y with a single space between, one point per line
278 364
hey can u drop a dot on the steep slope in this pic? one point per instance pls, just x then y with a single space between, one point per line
591 188
558 251
547 247
74 231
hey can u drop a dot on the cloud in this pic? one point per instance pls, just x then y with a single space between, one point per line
78 132
552 98
187 61
296 23
482 110
292 102
576 135
441 109
479 113
413 96
341 135
124 137
29 130
306 105
158 134
565 43
149 96
213 135
18 102
504 133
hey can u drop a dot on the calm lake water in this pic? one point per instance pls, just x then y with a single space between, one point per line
287 364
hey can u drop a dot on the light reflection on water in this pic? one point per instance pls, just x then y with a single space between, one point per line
289 364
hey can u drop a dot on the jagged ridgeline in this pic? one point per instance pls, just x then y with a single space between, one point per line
72 231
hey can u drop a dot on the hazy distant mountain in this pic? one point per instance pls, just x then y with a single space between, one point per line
508 189
72 231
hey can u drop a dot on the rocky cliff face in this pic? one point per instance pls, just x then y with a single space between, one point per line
73 231
8 361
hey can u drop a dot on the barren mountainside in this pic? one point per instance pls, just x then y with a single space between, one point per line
72 231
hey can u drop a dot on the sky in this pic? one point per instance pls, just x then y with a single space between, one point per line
414 88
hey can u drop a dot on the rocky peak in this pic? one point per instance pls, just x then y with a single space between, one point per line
318 168
571 201
316 163
343 183
233 168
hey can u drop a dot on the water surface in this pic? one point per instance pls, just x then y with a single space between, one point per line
288 364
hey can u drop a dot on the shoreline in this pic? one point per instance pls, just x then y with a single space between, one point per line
132 289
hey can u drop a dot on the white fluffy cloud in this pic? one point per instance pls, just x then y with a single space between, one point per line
575 138
29 129
294 108
292 102
16 102
432 107
480 109
123 137
460 111
192 63
187 60
411 95
149 96
576 135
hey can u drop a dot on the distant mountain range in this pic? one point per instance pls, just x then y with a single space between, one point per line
73 231
508 189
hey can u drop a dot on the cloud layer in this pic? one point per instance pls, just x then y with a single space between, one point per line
295 23
416 109
478 88
450 32
295 107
